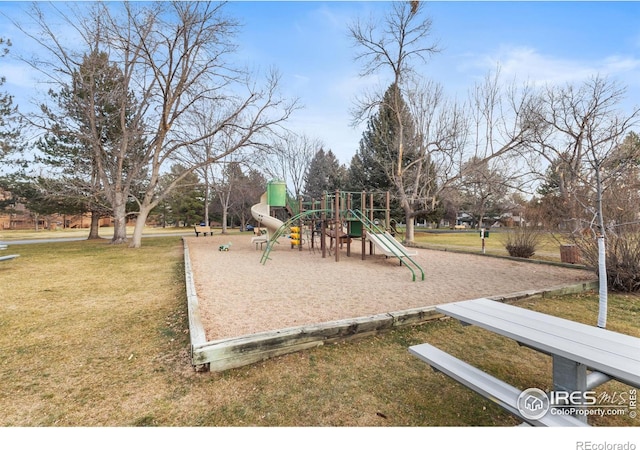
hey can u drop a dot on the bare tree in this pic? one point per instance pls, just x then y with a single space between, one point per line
441 128
203 119
585 128
501 119
394 46
484 188
454 142
172 56
288 159
496 123
224 185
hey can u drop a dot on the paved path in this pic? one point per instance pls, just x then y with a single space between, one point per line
72 239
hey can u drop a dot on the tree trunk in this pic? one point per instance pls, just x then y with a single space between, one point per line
141 220
409 219
225 217
602 256
409 235
94 228
119 219
206 195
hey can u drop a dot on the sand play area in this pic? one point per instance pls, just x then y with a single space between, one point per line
238 295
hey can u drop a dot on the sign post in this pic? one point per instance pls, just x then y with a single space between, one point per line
483 233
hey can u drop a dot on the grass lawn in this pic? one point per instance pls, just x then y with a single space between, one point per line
105 232
470 241
96 335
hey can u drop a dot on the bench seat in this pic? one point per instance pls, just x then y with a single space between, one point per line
569 343
261 240
202 229
260 236
499 392
8 257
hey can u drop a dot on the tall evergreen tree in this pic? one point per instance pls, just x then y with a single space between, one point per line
325 174
375 165
186 200
87 143
8 133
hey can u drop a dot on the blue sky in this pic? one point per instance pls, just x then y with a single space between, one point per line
308 43
555 42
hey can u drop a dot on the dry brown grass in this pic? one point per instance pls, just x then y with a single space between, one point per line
96 335
547 249
65 233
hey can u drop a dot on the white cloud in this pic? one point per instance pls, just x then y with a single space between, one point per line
353 85
527 64
621 64
18 75
329 16
624 68
300 80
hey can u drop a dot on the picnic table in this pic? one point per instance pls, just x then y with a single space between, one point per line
583 356
6 257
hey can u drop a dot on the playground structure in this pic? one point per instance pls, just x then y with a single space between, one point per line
340 216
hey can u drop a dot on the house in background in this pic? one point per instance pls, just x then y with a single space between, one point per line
16 216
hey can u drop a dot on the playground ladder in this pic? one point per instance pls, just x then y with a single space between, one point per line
389 241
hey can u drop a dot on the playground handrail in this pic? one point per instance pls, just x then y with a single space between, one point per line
389 240
285 226
293 204
369 226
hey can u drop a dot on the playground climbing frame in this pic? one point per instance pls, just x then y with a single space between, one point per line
335 212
